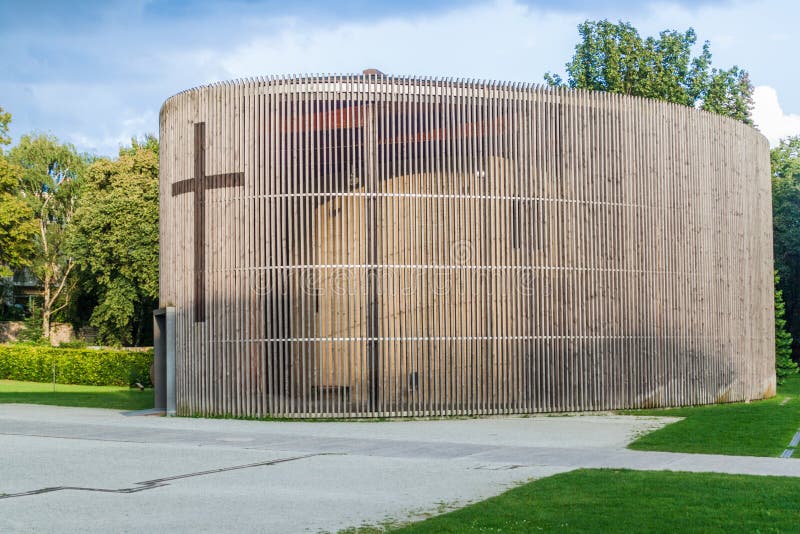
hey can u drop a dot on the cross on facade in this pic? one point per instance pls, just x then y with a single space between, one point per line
198 185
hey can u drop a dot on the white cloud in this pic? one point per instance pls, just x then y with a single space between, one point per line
109 83
499 40
770 118
110 138
96 118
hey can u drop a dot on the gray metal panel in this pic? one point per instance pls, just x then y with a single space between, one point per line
171 404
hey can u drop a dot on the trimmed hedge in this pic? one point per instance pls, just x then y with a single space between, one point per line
75 366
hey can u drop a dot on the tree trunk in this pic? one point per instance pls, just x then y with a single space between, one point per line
47 306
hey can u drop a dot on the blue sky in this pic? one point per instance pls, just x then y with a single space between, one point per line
96 73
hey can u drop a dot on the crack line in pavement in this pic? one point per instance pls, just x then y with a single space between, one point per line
79 438
159 482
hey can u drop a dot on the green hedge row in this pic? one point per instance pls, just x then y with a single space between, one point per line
75 366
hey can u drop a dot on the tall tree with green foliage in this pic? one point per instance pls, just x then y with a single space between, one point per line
115 241
50 184
5 120
17 227
784 366
729 93
785 160
614 58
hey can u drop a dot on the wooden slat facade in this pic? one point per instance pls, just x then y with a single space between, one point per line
370 245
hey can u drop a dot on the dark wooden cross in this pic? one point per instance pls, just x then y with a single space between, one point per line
198 185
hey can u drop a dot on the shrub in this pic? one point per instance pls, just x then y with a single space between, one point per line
784 365
31 331
75 366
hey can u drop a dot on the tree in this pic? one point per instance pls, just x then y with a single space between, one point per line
115 241
5 119
784 366
16 219
785 160
729 93
49 184
614 58
17 226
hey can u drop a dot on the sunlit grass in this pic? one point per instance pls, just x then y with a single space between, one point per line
759 428
606 500
113 397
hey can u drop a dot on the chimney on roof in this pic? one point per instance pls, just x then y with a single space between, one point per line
372 72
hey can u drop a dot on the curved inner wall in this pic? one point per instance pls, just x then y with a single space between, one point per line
383 246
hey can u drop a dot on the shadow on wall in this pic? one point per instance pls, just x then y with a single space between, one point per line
350 375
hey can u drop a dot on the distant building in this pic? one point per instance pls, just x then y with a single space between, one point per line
17 291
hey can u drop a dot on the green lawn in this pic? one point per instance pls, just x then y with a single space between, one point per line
604 500
760 428
114 397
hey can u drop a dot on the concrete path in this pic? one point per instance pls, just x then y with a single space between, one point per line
73 469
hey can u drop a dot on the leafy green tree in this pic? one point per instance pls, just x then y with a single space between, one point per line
785 160
16 219
784 366
5 119
729 93
49 184
614 58
116 240
17 226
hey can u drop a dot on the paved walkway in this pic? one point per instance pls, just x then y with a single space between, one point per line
74 469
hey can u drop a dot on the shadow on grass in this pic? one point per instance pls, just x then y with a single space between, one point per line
115 400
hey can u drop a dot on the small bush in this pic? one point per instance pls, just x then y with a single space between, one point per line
31 331
75 366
